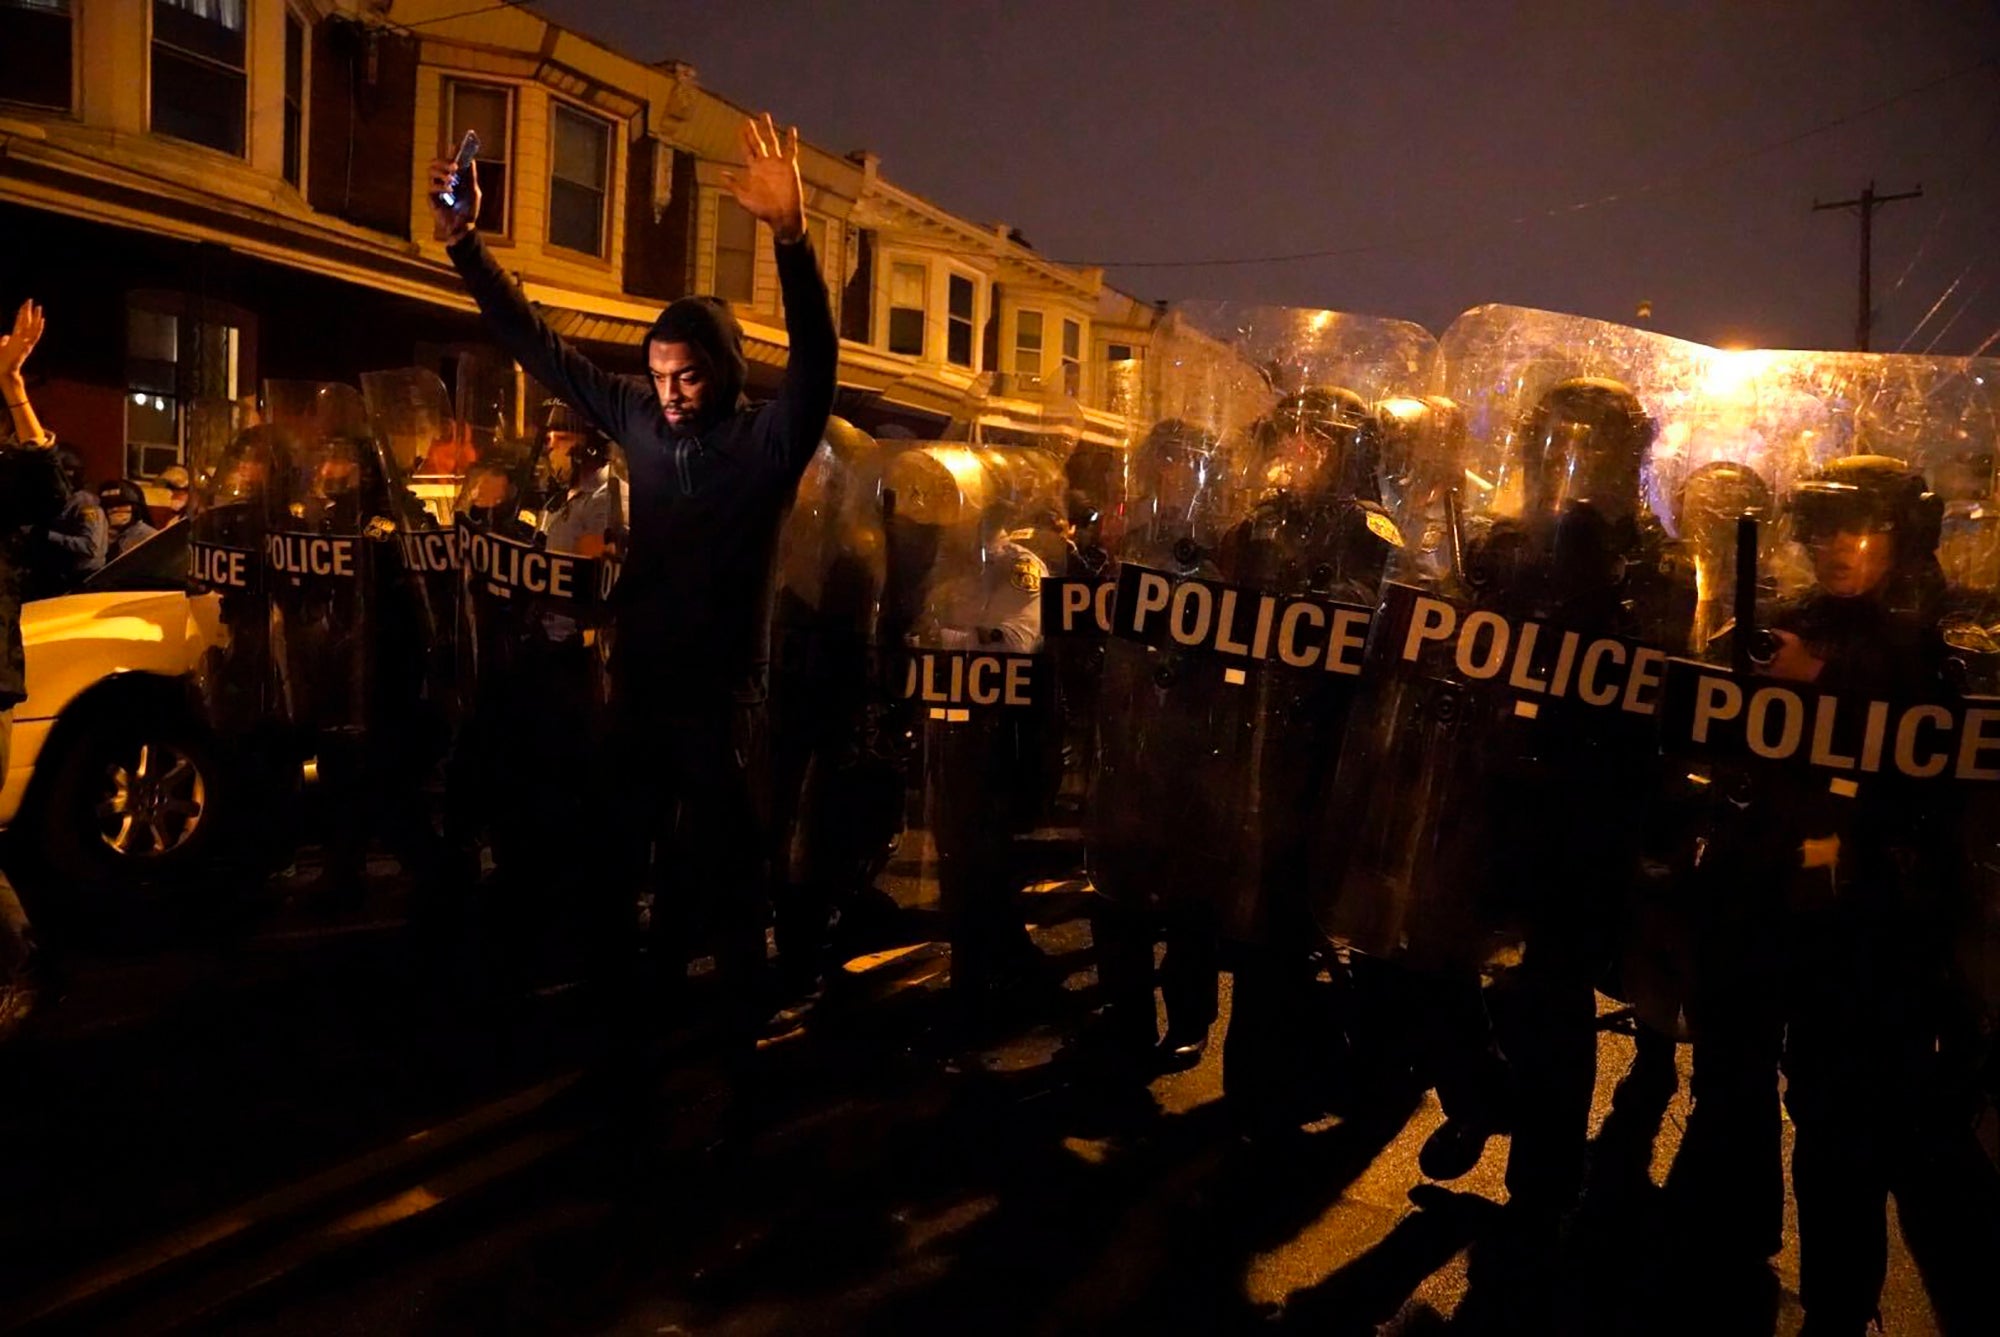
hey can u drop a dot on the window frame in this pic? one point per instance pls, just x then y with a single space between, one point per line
449 134
1070 365
189 326
890 308
153 44
75 82
724 201
607 196
292 165
972 322
1041 341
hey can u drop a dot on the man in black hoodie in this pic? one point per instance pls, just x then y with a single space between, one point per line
712 479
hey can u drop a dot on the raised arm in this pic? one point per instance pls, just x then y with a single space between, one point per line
14 350
610 401
769 190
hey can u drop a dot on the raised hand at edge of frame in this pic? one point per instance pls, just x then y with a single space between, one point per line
768 187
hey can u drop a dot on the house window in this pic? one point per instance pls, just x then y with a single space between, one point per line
579 181
1028 343
36 60
199 86
295 97
1072 357
958 326
170 362
907 306
1118 352
488 111
735 252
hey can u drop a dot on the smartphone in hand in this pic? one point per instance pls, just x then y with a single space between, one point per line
468 149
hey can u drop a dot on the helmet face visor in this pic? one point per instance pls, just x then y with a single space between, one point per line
1575 465
1822 510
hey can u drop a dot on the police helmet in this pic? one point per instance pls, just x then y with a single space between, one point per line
1583 444
1869 494
118 493
1722 490
591 450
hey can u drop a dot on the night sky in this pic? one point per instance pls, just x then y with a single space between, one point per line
1425 129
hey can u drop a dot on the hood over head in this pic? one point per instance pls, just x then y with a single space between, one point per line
708 324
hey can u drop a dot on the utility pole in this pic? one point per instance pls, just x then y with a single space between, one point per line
1866 205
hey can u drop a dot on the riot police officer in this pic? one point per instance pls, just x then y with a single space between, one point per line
1317 526
982 774
1587 556
1456 777
1180 496
830 789
1819 943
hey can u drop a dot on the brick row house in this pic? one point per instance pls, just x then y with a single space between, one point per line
208 193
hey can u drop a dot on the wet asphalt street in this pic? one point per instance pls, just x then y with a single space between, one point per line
325 1123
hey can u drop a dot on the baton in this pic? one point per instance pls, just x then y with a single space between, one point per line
1752 646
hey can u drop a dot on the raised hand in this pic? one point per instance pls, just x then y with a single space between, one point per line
15 347
449 224
768 186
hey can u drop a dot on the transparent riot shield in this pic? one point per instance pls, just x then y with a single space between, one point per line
543 524
230 458
421 464
962 642
1853 737
837 788
1493 777
1253 550
320 555
1843 876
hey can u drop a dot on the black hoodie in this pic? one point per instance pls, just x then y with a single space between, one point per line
694 600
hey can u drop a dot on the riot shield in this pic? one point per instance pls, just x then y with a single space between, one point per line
1515 660
1842 871
421 467
963 653
543 524
837 788
230 458
319 555
1254 546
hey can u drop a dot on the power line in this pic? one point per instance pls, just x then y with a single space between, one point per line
1965 306
1616 197
1972 166
1936 306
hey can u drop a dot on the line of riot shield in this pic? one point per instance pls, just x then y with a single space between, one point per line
961 633
1842 883
1253 548
837 790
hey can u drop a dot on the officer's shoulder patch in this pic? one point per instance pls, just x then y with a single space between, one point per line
1028 574
1382 527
